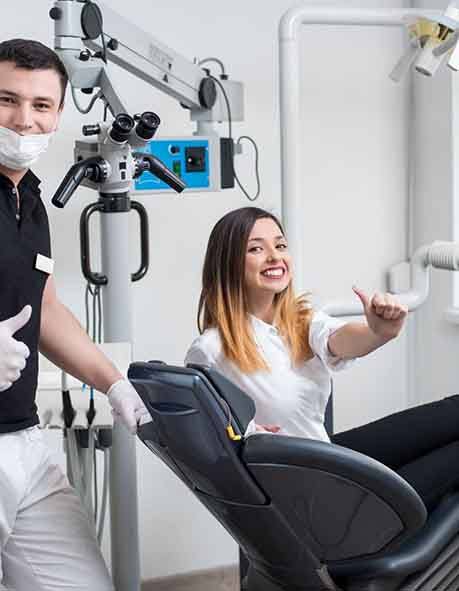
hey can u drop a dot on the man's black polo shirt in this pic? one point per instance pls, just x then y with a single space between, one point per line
20 284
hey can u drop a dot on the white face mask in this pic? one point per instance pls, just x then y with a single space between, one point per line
19 152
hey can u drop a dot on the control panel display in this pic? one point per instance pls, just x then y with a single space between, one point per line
187 158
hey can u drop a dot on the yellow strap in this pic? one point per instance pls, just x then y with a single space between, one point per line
231 434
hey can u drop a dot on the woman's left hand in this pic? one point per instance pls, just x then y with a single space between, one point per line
385 314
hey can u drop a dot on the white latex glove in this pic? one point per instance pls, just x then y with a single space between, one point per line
127 405
13 353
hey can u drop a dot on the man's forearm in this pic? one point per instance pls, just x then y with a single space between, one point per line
354 340
64 342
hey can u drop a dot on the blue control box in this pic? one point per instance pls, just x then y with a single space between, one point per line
187 158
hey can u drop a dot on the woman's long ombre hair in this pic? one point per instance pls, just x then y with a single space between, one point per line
223 302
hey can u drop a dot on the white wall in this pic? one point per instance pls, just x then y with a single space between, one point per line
436 189
354 211
354 150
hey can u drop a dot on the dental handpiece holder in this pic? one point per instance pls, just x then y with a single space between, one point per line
109 165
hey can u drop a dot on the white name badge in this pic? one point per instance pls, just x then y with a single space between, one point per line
44 264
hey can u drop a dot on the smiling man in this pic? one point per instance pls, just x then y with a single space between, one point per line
46 540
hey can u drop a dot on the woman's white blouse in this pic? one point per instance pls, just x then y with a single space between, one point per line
293 398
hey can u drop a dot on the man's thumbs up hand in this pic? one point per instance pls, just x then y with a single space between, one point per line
13 353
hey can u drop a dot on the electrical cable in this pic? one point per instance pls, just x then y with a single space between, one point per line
99 311
86 305
88 473
228 106
99 95
96 491
101 25
77 480
103 506
238 142
215 60
104 47
257 168
93 313
80 108
96 334
95 329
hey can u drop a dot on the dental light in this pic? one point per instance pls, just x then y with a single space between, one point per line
431 40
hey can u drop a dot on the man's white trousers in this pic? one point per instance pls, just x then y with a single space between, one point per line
47 542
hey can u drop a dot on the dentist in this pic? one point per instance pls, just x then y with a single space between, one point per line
46 540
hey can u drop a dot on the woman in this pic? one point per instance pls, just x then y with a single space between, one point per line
281 352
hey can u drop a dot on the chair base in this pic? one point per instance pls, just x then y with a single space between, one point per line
442 574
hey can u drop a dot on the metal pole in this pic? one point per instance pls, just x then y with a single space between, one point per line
117 302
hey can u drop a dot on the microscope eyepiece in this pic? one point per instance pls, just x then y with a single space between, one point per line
121 128
147 125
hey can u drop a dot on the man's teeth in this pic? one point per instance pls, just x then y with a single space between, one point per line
274 272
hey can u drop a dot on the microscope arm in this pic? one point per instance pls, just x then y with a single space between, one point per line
78 27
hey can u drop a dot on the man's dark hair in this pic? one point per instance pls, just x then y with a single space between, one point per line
33 55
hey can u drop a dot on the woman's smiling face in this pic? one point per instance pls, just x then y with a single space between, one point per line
268 266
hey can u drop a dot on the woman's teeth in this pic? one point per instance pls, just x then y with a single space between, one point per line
273 273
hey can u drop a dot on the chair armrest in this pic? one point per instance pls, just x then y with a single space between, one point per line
342 504
343 462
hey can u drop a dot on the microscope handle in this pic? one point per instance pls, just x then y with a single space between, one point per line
144 241
158 168
77 173
85 250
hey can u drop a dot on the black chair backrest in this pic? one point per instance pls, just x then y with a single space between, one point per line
189 428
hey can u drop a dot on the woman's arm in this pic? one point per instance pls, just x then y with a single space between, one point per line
385 318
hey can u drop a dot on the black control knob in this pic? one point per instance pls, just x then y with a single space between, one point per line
55 13
92 21
207 93
84 55
113 44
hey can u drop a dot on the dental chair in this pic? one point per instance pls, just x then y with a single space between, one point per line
309 515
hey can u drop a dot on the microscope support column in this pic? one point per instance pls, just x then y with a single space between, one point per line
117 302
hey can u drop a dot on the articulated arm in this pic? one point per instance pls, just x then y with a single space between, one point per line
80 26
439 255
